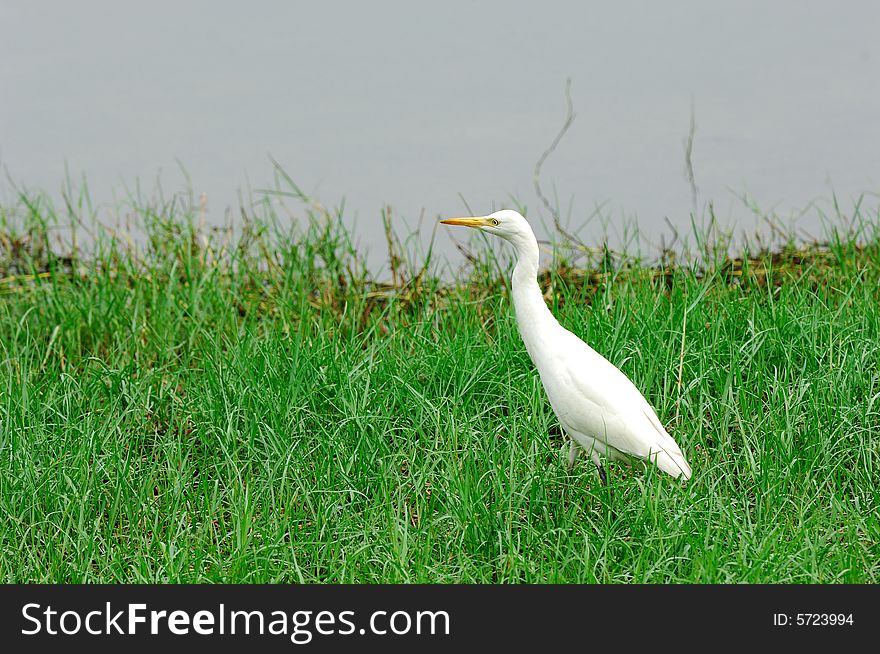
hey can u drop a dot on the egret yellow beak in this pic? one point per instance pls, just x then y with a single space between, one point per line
477 221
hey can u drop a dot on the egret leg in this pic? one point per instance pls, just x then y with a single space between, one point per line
595 456
573 452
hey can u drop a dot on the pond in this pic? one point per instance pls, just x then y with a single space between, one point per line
423 107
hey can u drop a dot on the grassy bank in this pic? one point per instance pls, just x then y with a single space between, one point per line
195 407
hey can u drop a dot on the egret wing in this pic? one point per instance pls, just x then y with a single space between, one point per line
592 396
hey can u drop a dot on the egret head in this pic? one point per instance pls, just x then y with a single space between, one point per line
507 224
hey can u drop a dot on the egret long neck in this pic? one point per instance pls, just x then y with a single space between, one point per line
536 323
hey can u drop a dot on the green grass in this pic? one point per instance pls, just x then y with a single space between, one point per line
203 409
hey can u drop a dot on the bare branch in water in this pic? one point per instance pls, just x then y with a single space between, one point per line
569 119
688 159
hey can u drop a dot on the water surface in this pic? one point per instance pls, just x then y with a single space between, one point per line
417 104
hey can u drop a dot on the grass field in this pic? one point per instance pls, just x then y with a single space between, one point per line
198 409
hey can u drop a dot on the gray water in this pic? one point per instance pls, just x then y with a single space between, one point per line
417 105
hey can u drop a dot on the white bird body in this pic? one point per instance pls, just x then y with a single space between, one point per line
599 408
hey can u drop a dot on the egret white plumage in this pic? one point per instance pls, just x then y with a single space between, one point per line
598 407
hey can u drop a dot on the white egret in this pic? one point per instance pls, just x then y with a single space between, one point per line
598 407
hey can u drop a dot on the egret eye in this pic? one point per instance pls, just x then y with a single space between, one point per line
495 222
